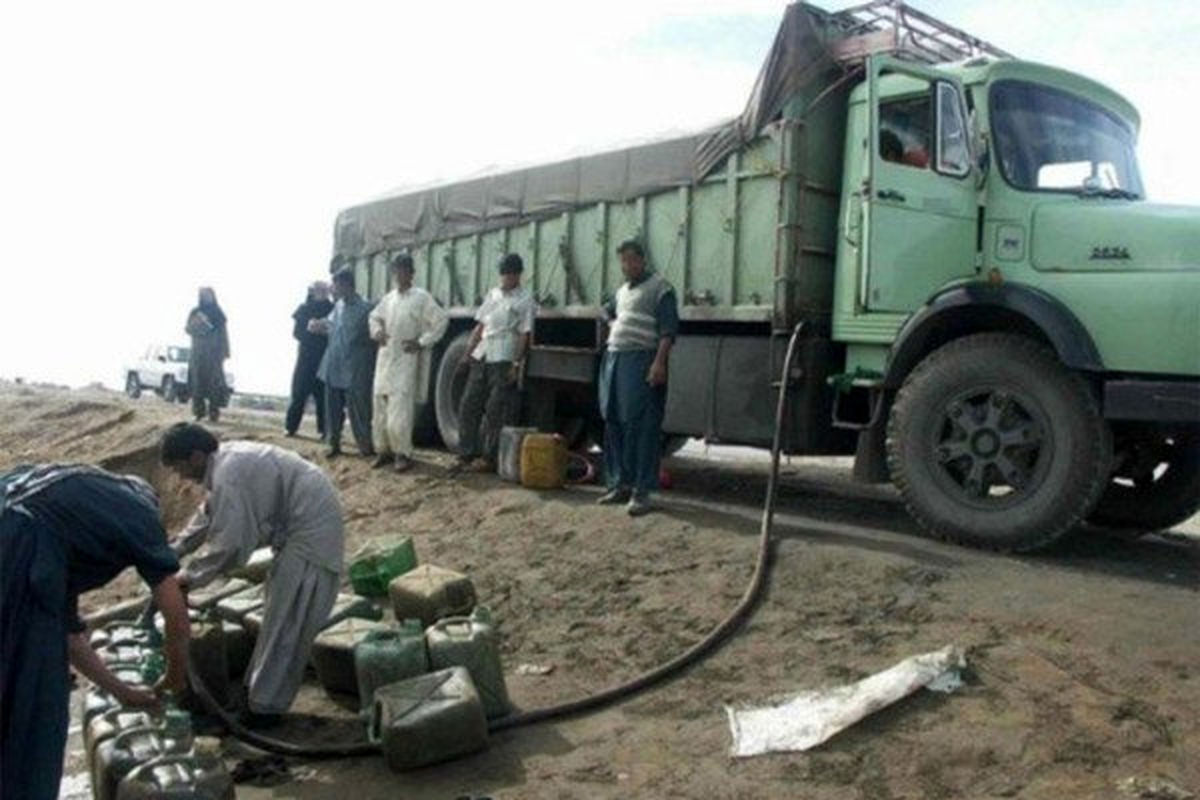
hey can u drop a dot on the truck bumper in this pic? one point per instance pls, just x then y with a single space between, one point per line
1152 401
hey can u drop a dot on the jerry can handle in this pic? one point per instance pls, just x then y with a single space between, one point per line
125 735
183 762
449 623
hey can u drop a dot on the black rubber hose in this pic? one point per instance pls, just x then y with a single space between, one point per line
600 699
718 634
269 743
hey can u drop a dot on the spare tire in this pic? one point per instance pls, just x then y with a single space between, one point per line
449 388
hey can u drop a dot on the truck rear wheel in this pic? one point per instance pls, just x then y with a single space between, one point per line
993 443
449 388
1157 484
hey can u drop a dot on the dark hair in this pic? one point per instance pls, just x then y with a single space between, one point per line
511 263
631 246
403 261
184 438
345 277
890 146
336 262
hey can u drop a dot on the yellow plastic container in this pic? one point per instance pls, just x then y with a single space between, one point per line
543 461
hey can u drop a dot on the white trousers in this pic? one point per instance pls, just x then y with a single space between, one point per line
395 408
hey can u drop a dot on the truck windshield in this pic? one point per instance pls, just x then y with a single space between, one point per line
1050 140
178 353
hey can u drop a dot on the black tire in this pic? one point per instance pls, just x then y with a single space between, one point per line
133 386
449 388
170 390
993 443
1157 484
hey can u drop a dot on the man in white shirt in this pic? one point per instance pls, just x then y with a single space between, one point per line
495 355
406 323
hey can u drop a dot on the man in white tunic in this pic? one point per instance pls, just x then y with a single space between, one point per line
495 354
406 323
260 495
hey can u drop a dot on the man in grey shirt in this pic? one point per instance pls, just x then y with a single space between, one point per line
348 366
260 495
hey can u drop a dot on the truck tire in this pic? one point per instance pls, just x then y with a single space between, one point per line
448 390
170 390
1156 487
993 443
133 386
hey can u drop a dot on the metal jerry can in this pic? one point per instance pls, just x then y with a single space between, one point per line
191 776
107 725
128 750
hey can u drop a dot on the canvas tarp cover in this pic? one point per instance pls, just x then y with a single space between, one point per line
407 219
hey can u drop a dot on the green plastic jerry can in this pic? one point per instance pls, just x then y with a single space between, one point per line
389 656
375 566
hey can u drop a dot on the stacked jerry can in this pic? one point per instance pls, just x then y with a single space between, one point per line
129 752
428 681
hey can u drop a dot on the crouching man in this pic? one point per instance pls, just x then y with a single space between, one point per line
260 495
66 529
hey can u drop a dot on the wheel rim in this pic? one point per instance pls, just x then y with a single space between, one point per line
991 446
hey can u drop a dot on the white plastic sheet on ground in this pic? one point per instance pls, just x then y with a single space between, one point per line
809 718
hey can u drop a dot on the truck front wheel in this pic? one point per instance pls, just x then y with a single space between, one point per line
133 386
449 388
1156 484
993 443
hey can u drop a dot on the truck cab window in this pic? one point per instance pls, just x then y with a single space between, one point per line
904 131
954 158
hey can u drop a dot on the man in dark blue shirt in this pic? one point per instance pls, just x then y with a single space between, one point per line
65 530
348 366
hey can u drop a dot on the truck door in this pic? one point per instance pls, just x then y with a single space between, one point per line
920 197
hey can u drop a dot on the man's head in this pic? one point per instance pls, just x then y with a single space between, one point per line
343 283
319 290
402 271
633 259
511 267
185 450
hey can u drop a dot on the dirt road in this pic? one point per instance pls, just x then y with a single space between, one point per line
1084 662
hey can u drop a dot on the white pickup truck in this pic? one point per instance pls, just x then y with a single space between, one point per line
163 369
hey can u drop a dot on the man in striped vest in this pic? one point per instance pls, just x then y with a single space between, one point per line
633 380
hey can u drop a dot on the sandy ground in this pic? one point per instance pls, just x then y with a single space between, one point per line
1084 662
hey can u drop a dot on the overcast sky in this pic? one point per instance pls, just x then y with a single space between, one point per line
151 147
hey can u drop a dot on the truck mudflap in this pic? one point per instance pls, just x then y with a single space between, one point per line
1152 400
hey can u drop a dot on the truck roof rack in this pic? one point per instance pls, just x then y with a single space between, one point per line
891 27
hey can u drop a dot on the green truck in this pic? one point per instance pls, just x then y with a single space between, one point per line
990 313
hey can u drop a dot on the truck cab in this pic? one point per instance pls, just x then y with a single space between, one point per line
1026 324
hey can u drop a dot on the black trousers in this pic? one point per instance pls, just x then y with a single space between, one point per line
490 390
337 403
305 384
